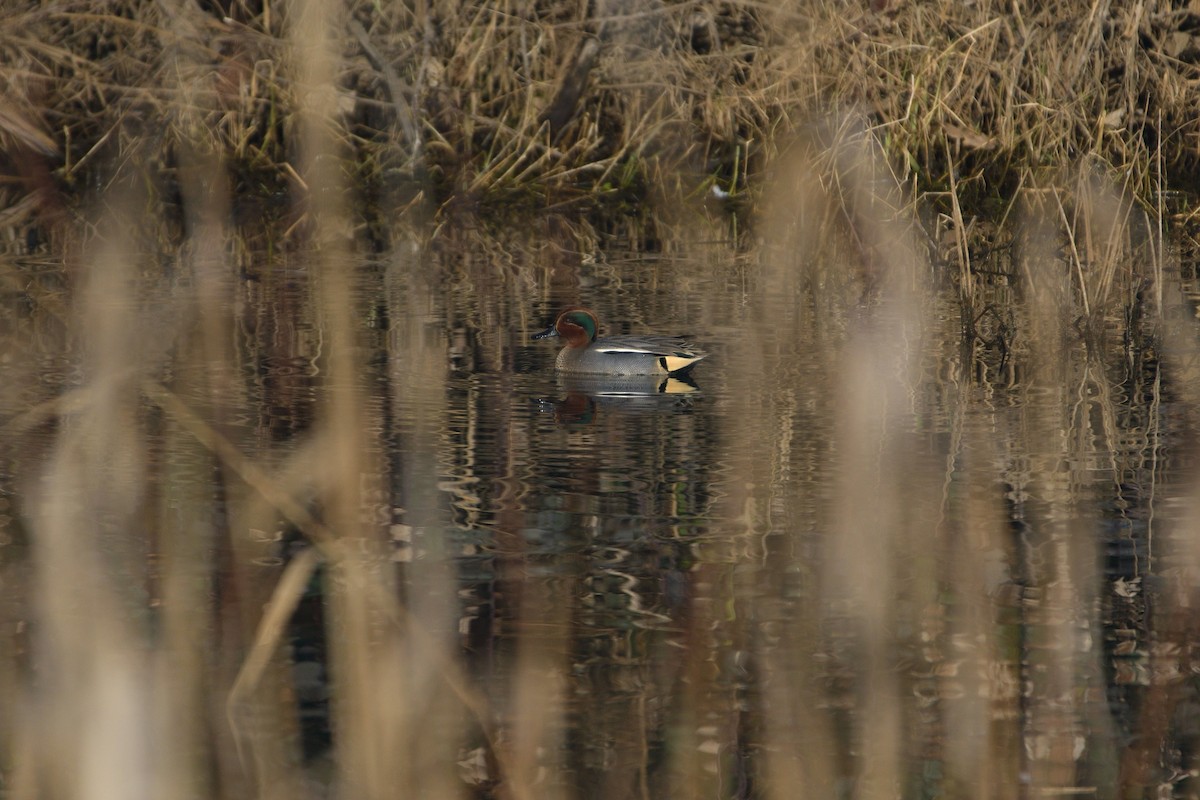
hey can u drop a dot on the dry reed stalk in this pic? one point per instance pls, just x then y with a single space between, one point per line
1058 548
878 513
808 755
89 717
372 734
899 541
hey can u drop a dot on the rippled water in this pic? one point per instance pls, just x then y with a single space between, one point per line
864 554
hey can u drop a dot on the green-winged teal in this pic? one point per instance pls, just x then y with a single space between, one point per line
616 355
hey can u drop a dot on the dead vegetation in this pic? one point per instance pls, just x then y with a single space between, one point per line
614 103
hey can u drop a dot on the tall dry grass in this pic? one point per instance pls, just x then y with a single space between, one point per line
550 103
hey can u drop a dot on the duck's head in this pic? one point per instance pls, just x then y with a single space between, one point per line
576 325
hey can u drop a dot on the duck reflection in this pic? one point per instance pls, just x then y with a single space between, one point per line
586 395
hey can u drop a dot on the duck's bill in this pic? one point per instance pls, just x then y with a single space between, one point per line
546 334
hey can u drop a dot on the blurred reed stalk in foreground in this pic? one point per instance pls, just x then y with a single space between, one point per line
155 671
957 621
88 717
842 279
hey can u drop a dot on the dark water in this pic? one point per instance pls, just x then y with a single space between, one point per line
872 551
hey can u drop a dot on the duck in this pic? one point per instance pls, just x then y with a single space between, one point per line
586 353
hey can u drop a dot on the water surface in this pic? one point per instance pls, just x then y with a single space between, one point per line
871 550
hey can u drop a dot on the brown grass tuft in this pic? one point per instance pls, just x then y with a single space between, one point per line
537 102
